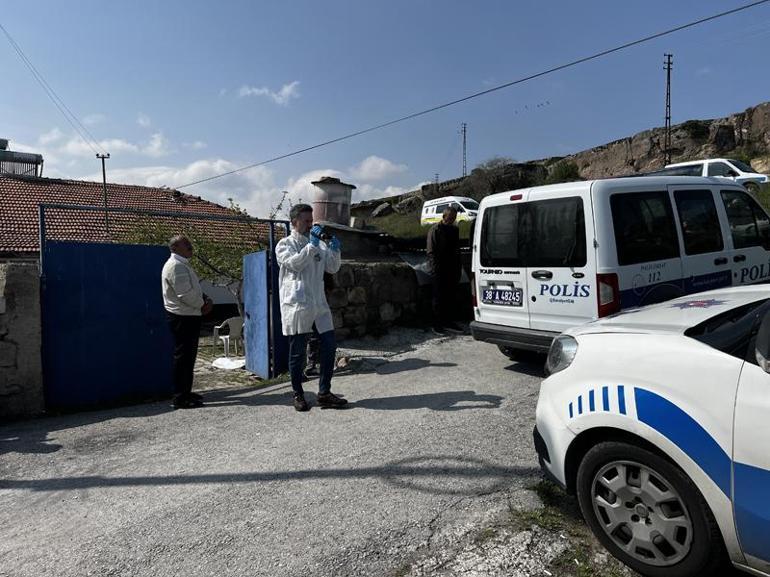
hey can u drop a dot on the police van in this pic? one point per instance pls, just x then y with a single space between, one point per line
553 257
432 210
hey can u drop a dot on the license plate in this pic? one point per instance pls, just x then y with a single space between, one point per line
511 298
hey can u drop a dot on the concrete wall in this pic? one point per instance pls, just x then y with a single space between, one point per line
21 373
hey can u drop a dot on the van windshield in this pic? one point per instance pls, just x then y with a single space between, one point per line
547 233
742 166
470 204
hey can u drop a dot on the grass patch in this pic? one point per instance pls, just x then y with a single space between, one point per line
408 226
763 196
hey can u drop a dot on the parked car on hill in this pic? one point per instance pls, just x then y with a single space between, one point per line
726 168
657 418
467 209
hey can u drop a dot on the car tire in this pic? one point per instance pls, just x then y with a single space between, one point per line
752 187
693 544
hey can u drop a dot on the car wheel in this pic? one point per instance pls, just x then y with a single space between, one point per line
647 512
752 187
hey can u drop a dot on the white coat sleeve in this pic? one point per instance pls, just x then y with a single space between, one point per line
332 261
184 289
292 259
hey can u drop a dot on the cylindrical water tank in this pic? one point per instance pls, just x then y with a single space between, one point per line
332 200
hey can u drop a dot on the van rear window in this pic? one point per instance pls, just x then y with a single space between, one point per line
644 227
546 233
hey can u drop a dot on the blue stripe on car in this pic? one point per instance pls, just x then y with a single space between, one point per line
570 411
752 509
622 399
681 429
606 398
580 405
591 405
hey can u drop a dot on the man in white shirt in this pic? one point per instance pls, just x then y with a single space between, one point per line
185 303
304 258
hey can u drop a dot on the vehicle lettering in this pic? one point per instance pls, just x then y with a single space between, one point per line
756 272
575 290
653 266
491 271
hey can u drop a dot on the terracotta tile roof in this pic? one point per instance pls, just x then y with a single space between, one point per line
21 196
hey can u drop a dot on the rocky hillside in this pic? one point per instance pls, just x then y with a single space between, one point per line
745 135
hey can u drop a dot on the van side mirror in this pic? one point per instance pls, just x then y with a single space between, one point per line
762 347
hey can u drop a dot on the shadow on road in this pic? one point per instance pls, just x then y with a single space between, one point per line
533 369
446 401
441 475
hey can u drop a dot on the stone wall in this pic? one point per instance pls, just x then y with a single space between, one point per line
368 297
21 374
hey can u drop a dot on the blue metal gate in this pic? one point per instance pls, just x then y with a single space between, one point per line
104 334
266 347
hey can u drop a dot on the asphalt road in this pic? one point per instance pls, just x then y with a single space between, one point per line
248 486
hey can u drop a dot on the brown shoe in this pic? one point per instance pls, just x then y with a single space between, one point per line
331 400
300 404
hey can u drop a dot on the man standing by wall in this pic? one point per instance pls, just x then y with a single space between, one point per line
304 258
443 249
185 304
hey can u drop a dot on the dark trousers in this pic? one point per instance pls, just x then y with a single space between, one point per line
444 299
298 356
186 330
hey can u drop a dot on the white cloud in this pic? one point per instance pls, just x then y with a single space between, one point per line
50 137
195 145
282 97
95 118
143 120
76 146
376 168
157 147
301 189
252 189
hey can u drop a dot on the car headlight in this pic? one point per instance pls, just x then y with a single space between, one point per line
562 353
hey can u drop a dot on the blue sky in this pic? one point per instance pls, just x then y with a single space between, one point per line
180 90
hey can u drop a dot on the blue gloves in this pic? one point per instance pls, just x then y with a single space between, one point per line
335 244
315 235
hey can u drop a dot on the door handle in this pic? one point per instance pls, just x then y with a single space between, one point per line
718 261
739 258
542 274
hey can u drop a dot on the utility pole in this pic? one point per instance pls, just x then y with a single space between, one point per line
104 157
435 183
465 165
667 147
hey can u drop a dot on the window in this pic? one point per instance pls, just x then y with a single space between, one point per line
548 233
749 224
732 332
644 227
440 208
457 206
699 221
470 204
720 169
689 170
741 165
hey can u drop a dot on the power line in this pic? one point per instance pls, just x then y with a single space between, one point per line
484 92
51 93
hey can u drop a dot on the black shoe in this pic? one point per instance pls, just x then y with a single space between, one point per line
184 402
196 397
331 400
300 404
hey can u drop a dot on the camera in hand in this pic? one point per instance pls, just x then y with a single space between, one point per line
324 235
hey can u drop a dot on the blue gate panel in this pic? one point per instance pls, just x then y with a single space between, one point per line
256 328
105 336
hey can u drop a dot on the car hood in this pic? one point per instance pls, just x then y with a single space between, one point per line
675 316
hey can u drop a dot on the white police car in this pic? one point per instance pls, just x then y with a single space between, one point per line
658 418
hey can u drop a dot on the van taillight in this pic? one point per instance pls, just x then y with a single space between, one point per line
473 290
608 294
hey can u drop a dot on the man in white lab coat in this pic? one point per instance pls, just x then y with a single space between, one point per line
304 258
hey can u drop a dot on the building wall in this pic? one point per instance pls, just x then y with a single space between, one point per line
21 374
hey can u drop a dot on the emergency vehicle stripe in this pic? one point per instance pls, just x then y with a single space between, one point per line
682 430
580 405
622 399
591 405
570 411
606 398
752 509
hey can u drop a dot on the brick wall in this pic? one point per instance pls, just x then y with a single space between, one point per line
21 374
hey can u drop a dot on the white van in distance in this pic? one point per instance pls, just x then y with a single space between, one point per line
553 257
432 210
727 168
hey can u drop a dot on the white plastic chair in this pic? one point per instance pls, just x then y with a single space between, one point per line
234 334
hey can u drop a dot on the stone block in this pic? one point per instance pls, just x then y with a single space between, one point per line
7 354
2 305
388 312
341 334
337 319
363 275
345 277
357 295
337 298
354 316
358 331
404 291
